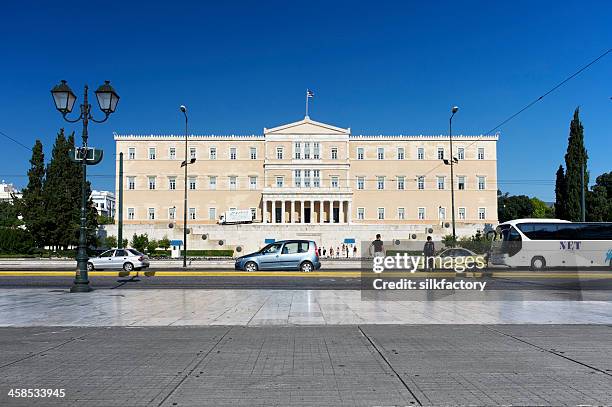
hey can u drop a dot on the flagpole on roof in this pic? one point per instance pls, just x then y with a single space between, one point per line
306 103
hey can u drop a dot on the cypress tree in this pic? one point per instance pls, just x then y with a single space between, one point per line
561 194
35 217
575 157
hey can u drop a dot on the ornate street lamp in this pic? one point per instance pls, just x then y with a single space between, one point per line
64 99
454 110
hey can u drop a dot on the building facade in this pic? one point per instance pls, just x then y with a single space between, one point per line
7 191
309 176
104 202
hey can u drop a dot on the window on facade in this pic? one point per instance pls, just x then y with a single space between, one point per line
421 213
212 153
440 153
360 182
192 213
482 213
212 213
130 213
192 183
401 213
481 183
380 182
400 153
334 182
461 182
420 153
441 213
420 182
131 153
334 153
131 181
307 178
212 183
253 213
192 152
461 153
297 147
233 153
380 153
233 182
279 153
172 183
253 182
316 178
381 213
307 151
481 154
316 153
152 153
297 177
360 153
171 213
440 182
279 182
151 182
151 213
253 153
400 183
361 213
172 153
461 213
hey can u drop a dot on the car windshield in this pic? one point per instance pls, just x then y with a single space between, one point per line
107 253
271 248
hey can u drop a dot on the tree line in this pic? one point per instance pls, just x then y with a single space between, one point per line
51 202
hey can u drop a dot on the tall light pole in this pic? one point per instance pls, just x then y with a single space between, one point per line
184 164
454 110
64 99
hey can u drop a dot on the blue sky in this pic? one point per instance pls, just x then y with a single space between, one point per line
379 68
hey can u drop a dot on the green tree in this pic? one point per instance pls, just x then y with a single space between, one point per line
9 214
541 209
599 199
140 242
164 243
152 246
513 207
110 241
561 194
575 158
32 204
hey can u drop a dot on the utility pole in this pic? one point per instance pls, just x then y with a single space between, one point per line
120 213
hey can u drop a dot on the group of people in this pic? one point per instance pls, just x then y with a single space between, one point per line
344 251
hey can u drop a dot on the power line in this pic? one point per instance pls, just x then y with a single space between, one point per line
15 141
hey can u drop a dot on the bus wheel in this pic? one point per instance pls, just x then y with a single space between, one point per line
538 263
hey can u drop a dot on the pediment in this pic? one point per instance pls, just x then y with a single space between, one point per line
307 126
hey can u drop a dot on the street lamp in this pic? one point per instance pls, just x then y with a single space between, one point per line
184 164
64 99
454 110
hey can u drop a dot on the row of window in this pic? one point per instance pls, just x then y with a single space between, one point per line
308 178
401 213
306 152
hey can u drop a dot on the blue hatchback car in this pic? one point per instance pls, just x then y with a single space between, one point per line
282 255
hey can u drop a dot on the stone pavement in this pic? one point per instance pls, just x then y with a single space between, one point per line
201 307
357 365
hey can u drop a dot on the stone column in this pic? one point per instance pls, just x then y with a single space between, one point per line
341 211
312 208
264 211
292 215
283 211
273 217
349 216
321 211
301 211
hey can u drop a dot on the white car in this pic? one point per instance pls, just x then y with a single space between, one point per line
126 259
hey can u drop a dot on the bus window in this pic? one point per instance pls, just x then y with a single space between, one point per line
512 241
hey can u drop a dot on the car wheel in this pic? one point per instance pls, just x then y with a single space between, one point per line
250 266
538 263
128 266
306 267
90 266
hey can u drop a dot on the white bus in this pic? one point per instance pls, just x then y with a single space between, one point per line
542 243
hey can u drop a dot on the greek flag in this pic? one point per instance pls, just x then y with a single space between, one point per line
309 93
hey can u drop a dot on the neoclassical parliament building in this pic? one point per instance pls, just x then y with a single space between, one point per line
307 179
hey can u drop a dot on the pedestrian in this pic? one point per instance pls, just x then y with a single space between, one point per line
355 251
338 252
347 251
429 250
324 251
379 250
331 251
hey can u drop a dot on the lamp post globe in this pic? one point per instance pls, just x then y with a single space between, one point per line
455 109
107 98
63 97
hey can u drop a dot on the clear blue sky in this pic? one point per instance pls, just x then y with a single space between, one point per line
377 67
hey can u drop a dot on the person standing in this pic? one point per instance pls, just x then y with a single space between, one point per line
379 249
429 250
355 250
331 251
